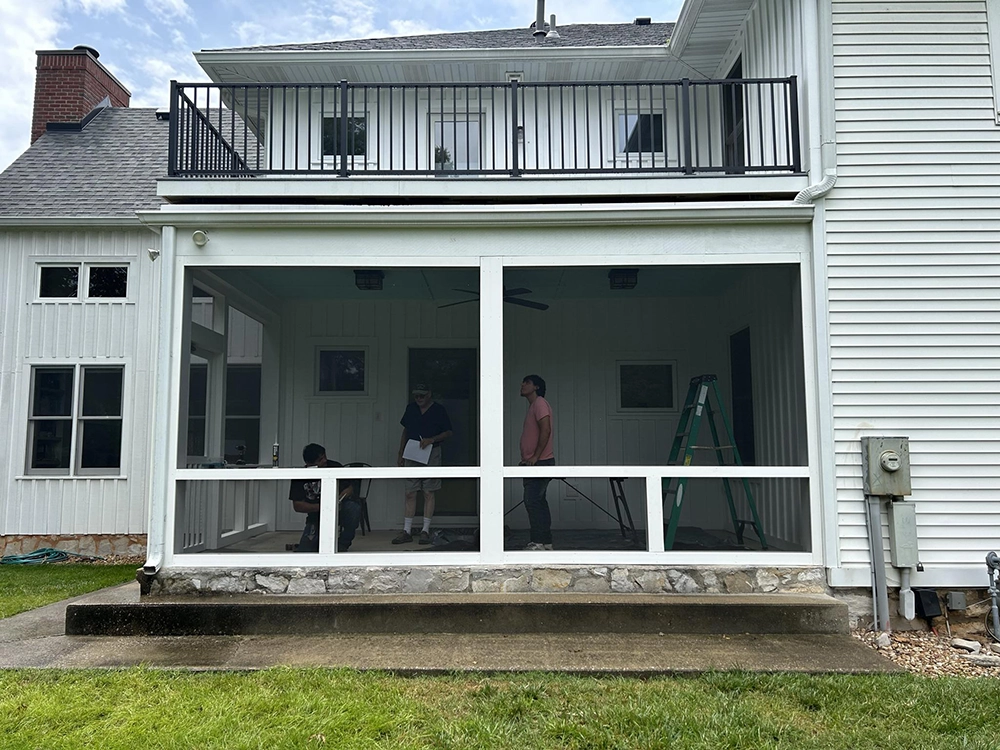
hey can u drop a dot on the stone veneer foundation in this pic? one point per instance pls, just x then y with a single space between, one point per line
98 545
480 580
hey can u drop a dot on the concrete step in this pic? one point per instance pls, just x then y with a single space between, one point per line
463 613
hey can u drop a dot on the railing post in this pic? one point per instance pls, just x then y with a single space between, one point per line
686 115
793 96
515 169
172 131
344 92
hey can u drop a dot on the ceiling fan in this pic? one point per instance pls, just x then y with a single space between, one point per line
509 295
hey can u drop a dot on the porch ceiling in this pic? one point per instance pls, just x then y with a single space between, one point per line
438 284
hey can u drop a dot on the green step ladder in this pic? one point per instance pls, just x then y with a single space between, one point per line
696 406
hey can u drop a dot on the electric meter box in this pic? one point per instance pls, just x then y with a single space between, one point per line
885 463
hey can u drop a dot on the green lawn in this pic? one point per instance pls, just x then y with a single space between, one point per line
24 587
308 708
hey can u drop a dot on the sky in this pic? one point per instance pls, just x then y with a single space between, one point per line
146 43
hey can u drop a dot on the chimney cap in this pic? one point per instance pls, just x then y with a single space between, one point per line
86 48
643 21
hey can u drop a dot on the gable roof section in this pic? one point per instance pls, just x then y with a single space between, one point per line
573 35
108 169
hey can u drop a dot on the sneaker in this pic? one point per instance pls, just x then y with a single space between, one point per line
403 538
548 546
535 547
425 537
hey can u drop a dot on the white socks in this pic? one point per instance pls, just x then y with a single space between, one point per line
408 524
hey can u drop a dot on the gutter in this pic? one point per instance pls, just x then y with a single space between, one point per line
58 222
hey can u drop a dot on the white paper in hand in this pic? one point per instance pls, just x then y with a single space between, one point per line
414 452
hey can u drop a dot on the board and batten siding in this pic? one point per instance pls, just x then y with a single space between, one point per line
68 332
914 273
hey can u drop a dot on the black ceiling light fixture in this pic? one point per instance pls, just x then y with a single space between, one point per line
623 278
369 281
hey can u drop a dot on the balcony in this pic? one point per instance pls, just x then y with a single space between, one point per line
515 129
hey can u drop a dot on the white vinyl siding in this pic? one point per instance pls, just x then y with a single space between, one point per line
914 272
71 333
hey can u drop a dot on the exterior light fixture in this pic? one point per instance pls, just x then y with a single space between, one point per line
199 238
623 278
369 281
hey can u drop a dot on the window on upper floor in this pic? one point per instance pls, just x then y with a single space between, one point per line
62 281
639 133
75 420
457 140
357 136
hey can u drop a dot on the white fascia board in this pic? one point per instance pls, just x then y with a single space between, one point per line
574 215
375 188
61 222
950 576
376 57
686 21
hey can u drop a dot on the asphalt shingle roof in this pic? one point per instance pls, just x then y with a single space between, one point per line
574 35
109 169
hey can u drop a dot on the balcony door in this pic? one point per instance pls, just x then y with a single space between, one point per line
733 122
457 141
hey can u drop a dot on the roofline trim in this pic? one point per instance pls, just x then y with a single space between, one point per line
686 21
8 222
504 216
473 55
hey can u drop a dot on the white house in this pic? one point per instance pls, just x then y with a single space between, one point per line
796 196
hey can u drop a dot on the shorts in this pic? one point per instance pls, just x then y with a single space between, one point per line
429 484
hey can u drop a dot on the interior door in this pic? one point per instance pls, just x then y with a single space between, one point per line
452 375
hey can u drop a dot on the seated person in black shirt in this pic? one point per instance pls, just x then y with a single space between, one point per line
305 497
427 421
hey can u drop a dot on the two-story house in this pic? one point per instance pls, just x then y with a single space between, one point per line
791 195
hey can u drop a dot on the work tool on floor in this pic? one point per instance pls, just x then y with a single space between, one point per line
698 405
625 524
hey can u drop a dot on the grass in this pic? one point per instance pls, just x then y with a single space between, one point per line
24 587
308 708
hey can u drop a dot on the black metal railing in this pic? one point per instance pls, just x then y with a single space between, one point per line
736 126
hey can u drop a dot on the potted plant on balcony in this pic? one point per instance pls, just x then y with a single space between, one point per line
442 159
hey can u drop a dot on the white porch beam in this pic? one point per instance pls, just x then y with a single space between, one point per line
491 411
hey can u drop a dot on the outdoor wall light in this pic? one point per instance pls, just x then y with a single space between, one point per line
623 278
199 238
369 281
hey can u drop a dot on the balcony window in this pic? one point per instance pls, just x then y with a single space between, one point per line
357 136
639 133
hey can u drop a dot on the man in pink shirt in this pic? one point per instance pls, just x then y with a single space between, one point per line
536 450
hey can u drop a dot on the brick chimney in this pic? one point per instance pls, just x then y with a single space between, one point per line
69 83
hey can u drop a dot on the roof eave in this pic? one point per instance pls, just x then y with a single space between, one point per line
411 55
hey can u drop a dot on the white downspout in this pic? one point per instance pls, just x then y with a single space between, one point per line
817 46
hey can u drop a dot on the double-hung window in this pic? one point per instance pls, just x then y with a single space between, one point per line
75 420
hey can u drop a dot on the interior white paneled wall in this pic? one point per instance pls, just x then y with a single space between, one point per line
914 273
575 346
51 332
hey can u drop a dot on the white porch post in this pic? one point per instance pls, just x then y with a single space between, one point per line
491 410
162 447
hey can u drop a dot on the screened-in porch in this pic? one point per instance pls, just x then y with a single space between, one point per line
273 358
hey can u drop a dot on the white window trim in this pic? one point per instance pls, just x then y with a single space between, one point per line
82 282
639 411
331 163
88 267
75 471
993 32
642 106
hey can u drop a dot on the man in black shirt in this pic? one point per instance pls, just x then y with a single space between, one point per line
427 421
305 497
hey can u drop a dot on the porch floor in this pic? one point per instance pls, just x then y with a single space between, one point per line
460 539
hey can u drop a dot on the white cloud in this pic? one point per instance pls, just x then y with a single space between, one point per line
170 10
99 7
23 29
